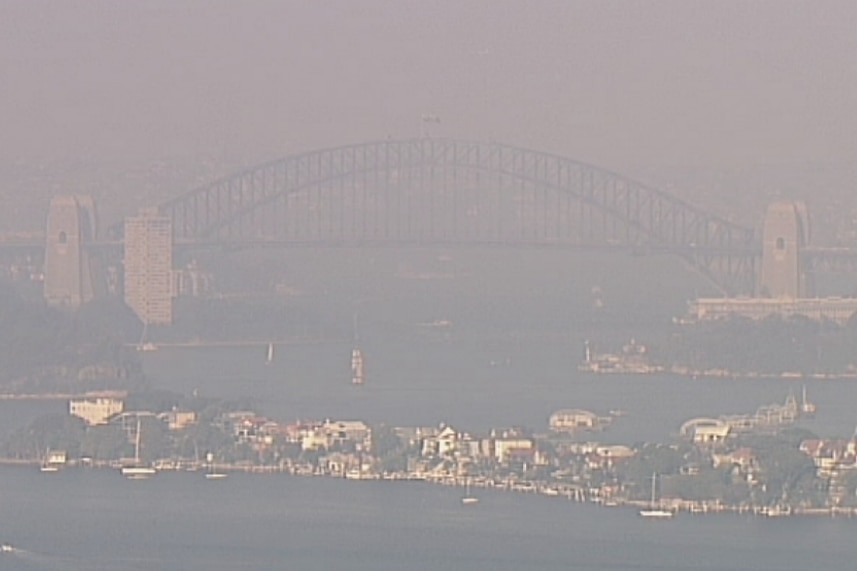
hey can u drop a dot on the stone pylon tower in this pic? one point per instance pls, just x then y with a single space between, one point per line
71 223
786 233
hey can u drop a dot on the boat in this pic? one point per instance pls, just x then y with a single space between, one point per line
270 356
142 344
468 499
6 548
53 461
653 512
212 473
138 470
778 511
806 408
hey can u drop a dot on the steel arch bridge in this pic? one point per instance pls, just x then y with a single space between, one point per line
450 192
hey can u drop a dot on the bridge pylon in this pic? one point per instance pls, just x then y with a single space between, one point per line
69 269
786 234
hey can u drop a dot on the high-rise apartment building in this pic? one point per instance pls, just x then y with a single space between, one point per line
148 267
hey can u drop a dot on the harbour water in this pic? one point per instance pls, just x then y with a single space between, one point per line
85 520
434 352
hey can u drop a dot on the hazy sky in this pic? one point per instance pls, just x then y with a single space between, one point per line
614 83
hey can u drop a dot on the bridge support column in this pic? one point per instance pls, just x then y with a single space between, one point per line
786 233
71 224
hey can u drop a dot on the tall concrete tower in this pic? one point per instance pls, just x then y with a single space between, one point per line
785 233
148 267
71 224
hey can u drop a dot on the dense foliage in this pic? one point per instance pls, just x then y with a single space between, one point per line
46 349
774 345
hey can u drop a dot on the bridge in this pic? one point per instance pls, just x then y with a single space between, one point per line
443 192
440 192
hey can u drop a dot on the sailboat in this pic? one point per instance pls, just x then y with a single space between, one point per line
212 473
270 356
468 499
652 511
144 345
138 470
52 461
806 408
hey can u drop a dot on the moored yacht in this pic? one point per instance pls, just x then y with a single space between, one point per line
138 470
468 499
653 511
212 473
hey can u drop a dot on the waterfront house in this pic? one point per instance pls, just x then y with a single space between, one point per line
706 431
344 432
507 448
831 456
314 439
95 411
609 455
742 459
177 419
569 420
443 443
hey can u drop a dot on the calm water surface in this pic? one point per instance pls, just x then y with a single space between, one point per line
81 519
509 358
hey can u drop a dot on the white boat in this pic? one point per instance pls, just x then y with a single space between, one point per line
468 499
6 548
269 358
53 460
806 408
138 470
657 514
212 473
654 512
142 344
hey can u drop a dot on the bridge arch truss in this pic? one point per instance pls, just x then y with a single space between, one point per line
442 192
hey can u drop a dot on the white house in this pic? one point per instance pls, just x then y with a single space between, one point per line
95 411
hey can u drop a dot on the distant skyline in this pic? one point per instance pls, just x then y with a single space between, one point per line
615 83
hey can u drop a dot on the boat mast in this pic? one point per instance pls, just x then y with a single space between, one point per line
654 480
137 444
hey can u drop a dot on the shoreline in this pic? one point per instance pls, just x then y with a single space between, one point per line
64 396
567 492
199 344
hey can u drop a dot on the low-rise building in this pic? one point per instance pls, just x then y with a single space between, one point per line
506 448
340 432
831 456
744 459
444 443
706 430
95 411
838 309
178 419
569 420
710 434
